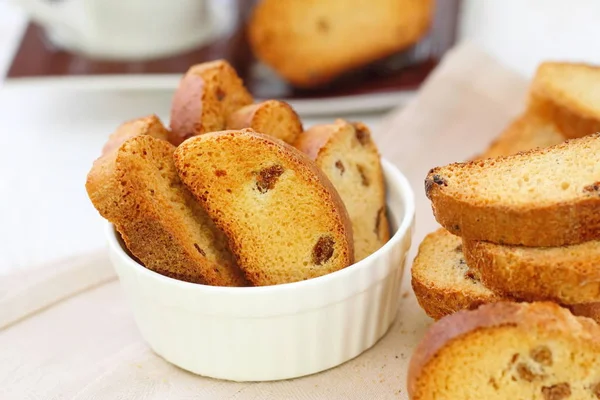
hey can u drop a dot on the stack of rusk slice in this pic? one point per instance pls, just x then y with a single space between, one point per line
522 222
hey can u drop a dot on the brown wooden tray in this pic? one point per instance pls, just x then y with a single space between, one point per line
36 57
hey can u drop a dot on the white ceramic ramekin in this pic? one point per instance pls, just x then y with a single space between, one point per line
273 332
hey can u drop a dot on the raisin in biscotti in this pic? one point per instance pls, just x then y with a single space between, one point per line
311 42
544 197
284 219
567 95
346 153
530 273
136 187
527 132
508 351
149 125
206 96
272 117
441 279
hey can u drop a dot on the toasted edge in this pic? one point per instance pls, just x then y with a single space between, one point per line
190 104
559 224
246 117
515 271
572 120
524 315
149 125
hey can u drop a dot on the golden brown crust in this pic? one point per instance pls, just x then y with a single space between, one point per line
207 94
307 42
271 117
589 310
524 317
245 181
443 283
149 125
527 132
567 275
558 224
438 301
566 109
136 187
346 153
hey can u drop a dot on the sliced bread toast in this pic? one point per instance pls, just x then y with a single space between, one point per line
207 94
444 283
272 117
544 197
149 125
284 219
567 94
527 132
441 279
311 42
567 275
136 187
348 156
508 351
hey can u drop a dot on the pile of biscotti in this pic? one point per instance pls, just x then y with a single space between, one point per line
237 193
518 255
522 226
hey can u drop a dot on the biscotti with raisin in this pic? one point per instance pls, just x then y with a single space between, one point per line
540 198
271 117
284 220
566 95
311 42
136 187
508 350
207 94
444 282
346 153
149 125
441 279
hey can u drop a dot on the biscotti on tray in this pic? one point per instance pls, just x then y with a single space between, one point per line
311 42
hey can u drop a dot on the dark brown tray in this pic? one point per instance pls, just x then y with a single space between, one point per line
404 71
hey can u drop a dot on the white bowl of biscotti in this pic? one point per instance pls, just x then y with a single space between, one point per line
251 249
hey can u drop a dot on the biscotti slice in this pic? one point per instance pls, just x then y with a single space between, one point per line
544 197
348 156
508 351
272 117
311 42
206 96
567 275
136 187
444 283
441 279
149 125
527 132
284 219
567 94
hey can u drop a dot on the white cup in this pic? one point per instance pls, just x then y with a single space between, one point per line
124 29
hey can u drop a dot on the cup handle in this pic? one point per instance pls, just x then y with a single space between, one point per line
46 13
